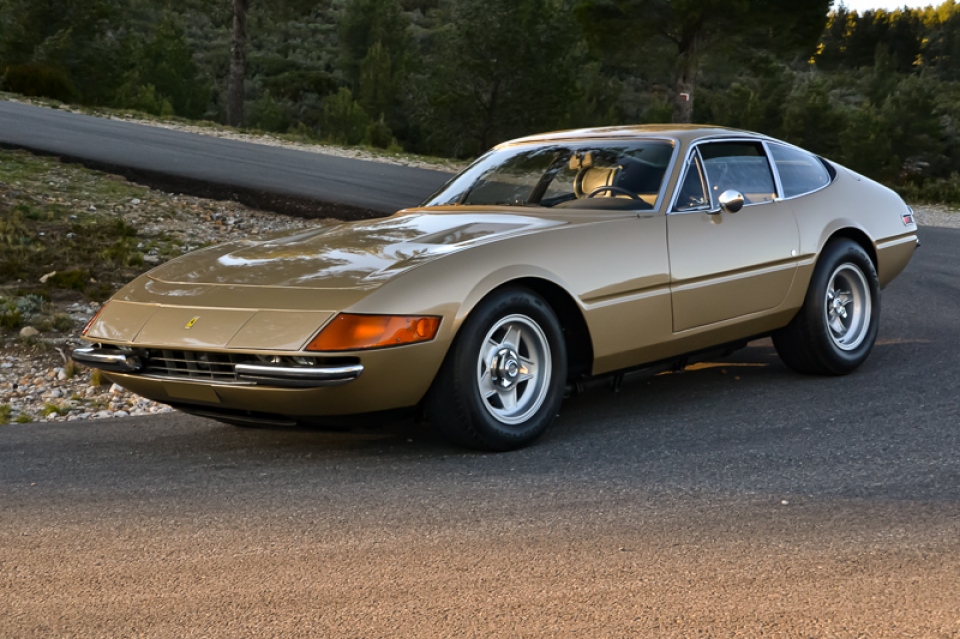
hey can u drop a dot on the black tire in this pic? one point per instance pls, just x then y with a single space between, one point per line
470 400
835 329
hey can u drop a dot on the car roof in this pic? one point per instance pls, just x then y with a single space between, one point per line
682 132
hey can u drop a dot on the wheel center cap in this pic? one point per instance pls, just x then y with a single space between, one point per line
505 367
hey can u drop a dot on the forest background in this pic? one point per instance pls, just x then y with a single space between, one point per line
877 91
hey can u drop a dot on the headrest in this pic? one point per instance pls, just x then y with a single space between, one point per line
581 161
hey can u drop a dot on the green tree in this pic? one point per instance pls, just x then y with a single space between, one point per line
831 52
692 29
165 64
501 68
366 23
866 144
380 82
915 128
811 119
377 55
344 121
66 46
753 99
236 93
942 40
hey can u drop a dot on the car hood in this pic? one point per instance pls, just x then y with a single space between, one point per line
349 255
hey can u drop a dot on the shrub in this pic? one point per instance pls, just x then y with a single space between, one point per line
146 98
269 114
71 369
63 322
38 80
97 379
344 121
10 317
52 409
30 305
75 280
942 190
380 135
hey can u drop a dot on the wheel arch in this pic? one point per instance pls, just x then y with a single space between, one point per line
859 237
575 332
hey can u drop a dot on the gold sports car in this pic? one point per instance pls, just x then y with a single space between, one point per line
550 260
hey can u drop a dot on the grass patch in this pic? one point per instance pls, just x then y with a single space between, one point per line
52 409
11 318
5 411
43 229
71 369
75 226
97 378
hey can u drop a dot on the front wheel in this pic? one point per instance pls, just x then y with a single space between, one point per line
502 381
835 329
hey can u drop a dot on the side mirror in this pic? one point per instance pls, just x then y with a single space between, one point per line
731 201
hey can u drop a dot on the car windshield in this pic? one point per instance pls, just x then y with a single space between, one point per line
612 175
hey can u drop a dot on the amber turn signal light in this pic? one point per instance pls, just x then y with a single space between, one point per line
349 332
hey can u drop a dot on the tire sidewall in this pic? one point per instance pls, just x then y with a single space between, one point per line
491 432
835 255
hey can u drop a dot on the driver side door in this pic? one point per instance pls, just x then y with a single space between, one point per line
729 265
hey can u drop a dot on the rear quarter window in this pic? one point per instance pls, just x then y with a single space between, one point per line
800 172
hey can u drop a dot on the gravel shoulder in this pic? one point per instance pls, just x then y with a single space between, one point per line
38 383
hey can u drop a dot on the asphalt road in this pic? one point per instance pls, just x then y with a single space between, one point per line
740 500
308 184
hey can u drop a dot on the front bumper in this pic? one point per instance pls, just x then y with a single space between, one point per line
225 380
259 374
107 359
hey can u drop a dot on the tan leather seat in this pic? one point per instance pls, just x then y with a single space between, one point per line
592 179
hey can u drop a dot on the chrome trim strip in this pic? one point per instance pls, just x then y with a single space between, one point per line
671 166
732 276
773 164
776 172
897 240
108 360
714 207
300 377
694 146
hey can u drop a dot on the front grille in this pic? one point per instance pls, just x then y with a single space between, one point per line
221 367
216 367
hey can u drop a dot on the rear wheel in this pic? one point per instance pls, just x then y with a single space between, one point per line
835 329
502 382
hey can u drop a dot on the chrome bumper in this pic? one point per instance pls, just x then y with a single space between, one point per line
296 377
274 375
108 360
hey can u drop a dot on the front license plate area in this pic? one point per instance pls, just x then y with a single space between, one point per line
191 392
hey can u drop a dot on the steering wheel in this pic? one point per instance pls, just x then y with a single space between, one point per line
613 189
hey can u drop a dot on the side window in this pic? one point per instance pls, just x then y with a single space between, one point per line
741 166
693 193
800 172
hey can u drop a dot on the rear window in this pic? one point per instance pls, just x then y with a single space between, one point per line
800 172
